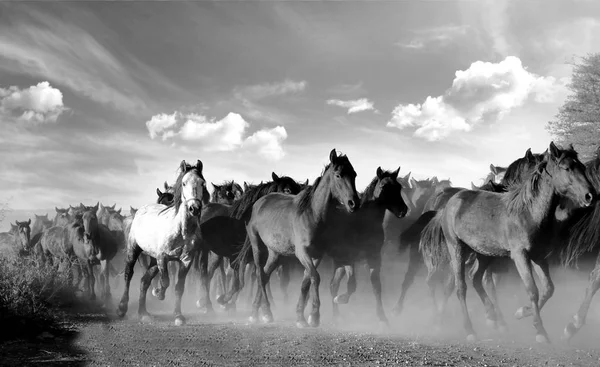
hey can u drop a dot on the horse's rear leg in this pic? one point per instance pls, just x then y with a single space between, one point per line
184 268
104 276
265 276
375 275
204 304
133 252
449 287
415 261
543 271
251 268
523 263
344 298
490 281
228 299
457 260
145 282
91 281
334 286
310 273
579 318
484 262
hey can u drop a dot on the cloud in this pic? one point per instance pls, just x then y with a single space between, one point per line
261 91
435 37
39 103
485 92
268 143
354 106
226 134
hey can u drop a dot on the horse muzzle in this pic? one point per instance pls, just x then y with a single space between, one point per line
194 207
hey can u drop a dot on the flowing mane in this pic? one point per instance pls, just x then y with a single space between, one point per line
242 208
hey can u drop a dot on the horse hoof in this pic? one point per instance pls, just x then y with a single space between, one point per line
314 320
220 299
570 330
491 323
155 292
397 310
342 299
471 338
267 319
542 339
252 320
522 312
179 320
146 318
301 324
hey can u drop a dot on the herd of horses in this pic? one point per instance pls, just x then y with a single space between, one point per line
539 212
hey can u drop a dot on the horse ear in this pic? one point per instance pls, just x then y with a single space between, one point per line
245 186
112 207
395 174
407 177
379 173
473 186
554 151
166 186
214 186
29 222
57 210
306 183
529 155
199 166
118 211
493 169
182 166
413 182
158 192
434 179
96 206
274 176
332 156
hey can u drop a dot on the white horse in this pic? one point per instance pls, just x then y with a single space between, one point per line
166 232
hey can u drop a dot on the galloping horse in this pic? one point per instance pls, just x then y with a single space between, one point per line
518 224
293 226
166 233
17 240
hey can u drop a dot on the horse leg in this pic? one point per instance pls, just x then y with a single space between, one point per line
431 280
414 264
523 263
284 280
91 281
227 300
258 253
375 275
253 277
144 285
104 273
350 286
449 286
163 272
203 302
543 271
334 286
490 311
133 252
579 318
457 259
490 279
310 266
184 268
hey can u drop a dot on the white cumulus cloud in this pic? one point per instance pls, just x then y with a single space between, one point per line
353 106
485 92
268 143
226 134
39 103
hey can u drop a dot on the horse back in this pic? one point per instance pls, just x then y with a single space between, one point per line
55 242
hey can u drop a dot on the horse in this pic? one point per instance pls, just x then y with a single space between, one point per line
294 225
360 236
224 235
518 224
62 217
496 174
40 224
166 232
104 213
18 239
521 168
226 193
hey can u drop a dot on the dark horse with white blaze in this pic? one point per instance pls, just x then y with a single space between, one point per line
519 224
166 233
286 225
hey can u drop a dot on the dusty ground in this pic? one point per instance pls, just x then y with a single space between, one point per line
98 339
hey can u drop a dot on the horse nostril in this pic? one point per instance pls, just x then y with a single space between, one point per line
589 197
351 204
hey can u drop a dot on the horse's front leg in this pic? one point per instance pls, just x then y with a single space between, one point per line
375 271
228 299
490 281
483 265
334 286
204 303
163 272
310 274
350 285
542 269
184 268
105 271
579 318
91 280
145 282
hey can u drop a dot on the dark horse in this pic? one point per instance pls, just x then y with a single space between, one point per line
354 237
286 225
518 224
166 233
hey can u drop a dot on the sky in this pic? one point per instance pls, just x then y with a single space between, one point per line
101 101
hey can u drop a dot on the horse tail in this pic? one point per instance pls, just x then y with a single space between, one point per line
433 243
243 256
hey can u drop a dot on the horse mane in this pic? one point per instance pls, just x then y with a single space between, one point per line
369 191
305 196
521 194
519 169
178 187
241 208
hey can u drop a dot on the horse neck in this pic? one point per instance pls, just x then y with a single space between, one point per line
321 200
188 224
543 205
371 208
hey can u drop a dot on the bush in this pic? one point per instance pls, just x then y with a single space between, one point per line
31 296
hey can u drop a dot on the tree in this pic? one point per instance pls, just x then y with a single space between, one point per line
578 119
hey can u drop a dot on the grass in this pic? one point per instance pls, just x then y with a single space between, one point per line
32 297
